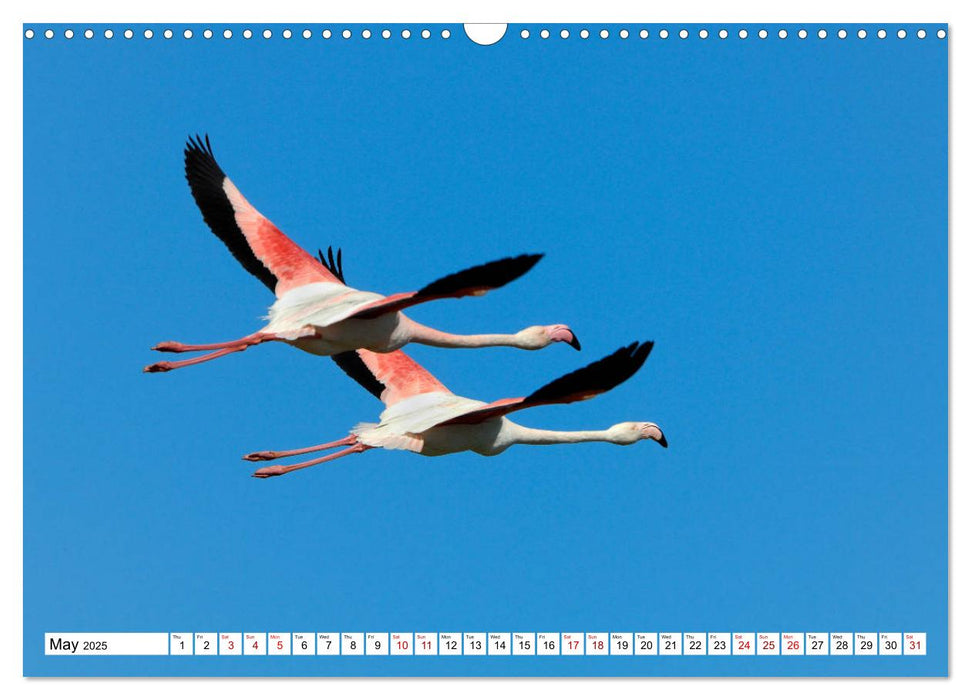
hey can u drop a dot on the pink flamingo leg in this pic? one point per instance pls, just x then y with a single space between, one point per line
267 455
278 470
168 366
173 346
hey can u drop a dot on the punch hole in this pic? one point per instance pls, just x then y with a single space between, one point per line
902 34
109 34
723 34
207 33
29 34
405 33
49 34
425 34
129 34
247 34
803 33
68 33
485 34
386 34
88 33
643 34
168 34
307 34
228 34
683 34
604 33
783 33
703 33
624 33
187 34
287 34
366 34
742 33
882 34
861 33
763 34
148 33
327 34
841 33
446 33
941 34
346 33
584 33
821 33
663 33
921 34
524 34
545 34
267 34
565 34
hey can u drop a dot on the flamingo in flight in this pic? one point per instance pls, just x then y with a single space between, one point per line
422 416
314 310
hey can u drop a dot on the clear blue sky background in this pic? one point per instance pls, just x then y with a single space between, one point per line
772 213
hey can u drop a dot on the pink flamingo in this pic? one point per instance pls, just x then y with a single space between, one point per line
423 416
314 310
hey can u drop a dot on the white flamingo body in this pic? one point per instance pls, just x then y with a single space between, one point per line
314 310
424 417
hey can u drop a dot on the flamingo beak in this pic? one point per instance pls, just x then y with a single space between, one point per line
574 342
662 441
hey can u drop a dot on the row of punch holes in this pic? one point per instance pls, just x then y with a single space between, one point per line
446 34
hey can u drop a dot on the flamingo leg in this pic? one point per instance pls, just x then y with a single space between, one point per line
278 470
173 346
168 366
267 455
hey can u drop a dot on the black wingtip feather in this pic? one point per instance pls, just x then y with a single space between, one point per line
205 179
354 367
597 377
489 276
335 266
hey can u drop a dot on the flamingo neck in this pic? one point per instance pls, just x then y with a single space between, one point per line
534 436
440 339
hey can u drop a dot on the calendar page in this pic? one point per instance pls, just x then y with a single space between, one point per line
556 349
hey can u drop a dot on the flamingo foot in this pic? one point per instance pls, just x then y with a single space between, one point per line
267 472
263 456
158 367
169 346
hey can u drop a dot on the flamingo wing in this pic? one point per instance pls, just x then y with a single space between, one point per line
391 376
254 241
474 281
585 383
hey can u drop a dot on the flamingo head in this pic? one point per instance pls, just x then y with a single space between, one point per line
536 337
629 433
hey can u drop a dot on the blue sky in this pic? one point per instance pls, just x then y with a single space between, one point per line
773 214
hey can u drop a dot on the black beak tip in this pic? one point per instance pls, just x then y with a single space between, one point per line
575 343
663 442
